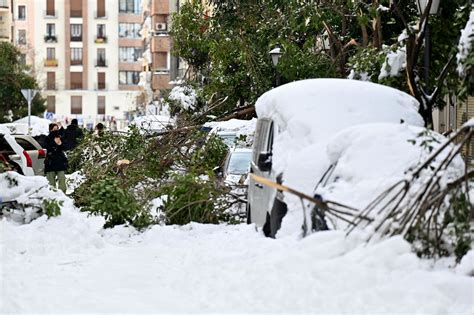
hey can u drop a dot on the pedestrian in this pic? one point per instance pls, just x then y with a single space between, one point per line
56 162
73 135
99 129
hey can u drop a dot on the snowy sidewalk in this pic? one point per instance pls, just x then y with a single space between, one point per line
68 264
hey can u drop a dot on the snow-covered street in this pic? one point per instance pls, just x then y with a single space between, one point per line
69 264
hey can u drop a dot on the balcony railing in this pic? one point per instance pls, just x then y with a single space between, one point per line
76 85
100 39
50 14
76 38
51 63
76 62
51 86
76 13
49 38
101 63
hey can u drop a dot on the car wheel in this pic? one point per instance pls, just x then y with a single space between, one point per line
279 210
266 227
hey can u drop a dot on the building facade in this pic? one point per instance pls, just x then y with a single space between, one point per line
5 20
85 54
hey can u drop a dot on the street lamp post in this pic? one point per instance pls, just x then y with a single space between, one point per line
275 54
427 53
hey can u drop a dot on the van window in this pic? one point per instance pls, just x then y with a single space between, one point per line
270 139
260 140
26 145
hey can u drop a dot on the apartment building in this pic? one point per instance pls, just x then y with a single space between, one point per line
84 53
5 20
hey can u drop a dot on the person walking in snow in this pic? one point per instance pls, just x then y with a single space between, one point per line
56 162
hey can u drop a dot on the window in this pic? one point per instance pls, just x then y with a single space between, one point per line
129 77
100 8
21 12
76 105
50 53
76 56
22 59
76 8
101 62
101 80
130 6
129 30
51 81
51 29
100 30
101 105
76 80
129 54
51 103
22 37
25 144
50 8
76 32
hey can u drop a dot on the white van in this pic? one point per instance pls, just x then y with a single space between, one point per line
306 114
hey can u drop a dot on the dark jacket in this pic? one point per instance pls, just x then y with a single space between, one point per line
55 160
72 137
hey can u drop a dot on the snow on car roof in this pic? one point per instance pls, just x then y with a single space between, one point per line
325 106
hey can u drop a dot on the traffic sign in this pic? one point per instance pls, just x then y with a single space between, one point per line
29 94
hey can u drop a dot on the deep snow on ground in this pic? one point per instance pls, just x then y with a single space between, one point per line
70 264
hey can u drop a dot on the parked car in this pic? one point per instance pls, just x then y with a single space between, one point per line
237 165
295 123
22 153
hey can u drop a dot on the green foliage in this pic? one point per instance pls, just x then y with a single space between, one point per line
191 198
210 155
13 78
52 208
116 204
459 218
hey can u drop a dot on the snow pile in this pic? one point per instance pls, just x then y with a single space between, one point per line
184 96
68 265
153 122
465 44
39 126
311 111
29 192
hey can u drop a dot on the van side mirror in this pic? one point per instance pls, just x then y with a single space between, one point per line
264 161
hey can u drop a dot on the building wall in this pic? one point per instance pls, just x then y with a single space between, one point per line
119 99
5 21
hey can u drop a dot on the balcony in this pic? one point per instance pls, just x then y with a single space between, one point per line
76 38
50 38
76 85
101 63
51 63
100 39
76 62
50 14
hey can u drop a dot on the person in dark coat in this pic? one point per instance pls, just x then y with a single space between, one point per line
73 135
56 162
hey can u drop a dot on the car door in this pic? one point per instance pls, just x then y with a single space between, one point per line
258 194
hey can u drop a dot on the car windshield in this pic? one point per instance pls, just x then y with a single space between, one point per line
239 163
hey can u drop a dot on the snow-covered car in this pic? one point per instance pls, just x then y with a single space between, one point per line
297 121
237 166
22 153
